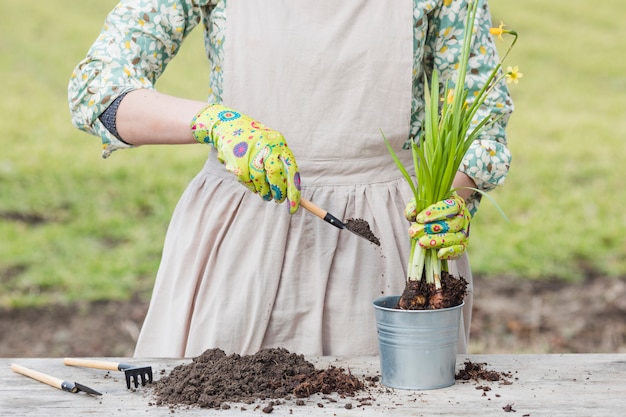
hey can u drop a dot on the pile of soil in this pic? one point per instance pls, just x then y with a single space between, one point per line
214 379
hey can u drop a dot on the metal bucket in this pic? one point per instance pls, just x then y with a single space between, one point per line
418 348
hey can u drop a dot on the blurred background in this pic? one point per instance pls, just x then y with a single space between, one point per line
81 237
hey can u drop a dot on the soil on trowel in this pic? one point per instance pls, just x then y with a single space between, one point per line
214 379
362 227
420 295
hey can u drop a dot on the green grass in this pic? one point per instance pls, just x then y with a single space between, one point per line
564 191
99 224
74 226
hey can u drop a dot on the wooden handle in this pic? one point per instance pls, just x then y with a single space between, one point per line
90 363
41 377
318 211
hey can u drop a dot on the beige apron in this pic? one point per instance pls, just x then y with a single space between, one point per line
241 274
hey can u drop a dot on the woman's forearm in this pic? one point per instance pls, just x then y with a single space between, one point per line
463 180
148 117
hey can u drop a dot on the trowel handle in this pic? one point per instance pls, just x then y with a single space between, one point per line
91 363
38 376
321 213
312 208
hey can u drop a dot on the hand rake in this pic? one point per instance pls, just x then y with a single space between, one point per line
131 372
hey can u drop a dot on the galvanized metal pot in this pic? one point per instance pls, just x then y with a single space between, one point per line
418 348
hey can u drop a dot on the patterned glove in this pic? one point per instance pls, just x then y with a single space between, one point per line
258 156
444 225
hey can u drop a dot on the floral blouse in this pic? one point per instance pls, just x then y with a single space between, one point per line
140 37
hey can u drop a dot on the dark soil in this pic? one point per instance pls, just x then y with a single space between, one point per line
477 372
213 380
362 228
420 295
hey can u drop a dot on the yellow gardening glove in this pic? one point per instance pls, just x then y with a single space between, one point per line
444 226
257 155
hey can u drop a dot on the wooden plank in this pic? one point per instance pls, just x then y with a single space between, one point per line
553 385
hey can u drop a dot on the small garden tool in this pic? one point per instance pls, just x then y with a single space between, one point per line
72 387
329 218
130 371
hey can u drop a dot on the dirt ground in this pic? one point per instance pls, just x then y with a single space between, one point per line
509 317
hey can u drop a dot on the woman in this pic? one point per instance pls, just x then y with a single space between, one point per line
326 78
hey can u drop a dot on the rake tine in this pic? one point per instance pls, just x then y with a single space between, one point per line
134 379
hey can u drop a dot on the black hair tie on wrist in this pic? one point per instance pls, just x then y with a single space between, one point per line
109 115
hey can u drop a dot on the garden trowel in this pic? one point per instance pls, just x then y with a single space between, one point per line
329 218
72 387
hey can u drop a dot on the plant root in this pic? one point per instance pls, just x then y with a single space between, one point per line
420 295
415 296
437 300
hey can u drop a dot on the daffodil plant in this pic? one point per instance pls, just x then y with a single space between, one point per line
450 127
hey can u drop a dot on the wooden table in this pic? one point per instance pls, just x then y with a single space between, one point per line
552 385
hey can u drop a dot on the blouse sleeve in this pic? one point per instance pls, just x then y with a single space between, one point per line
139 38
488 159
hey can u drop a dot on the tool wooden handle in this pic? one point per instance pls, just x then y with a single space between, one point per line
321 213
92 363
39 376
318 211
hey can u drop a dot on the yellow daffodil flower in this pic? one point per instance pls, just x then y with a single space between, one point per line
513 75
498 31
450 98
